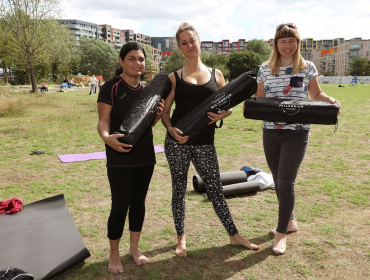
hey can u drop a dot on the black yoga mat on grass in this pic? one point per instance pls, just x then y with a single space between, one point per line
143 110
291 110
194 122
42 239
227 178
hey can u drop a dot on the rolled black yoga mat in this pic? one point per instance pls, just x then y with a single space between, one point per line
143 110
241 188
194 122
291 110
42 239
227 178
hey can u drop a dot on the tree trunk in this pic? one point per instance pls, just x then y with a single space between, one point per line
32 75
6 81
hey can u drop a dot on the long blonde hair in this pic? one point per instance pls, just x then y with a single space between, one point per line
183 27
284 31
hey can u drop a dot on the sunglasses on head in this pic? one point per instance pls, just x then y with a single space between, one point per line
280 26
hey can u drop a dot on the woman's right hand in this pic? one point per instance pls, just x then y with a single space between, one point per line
112 141
176 134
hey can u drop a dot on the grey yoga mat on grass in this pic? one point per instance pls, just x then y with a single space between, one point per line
233 183
42 239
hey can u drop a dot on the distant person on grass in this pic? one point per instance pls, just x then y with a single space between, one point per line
287 75
93 85
129 169
190 86
44 86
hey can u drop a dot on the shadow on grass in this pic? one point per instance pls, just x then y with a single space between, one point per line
205 263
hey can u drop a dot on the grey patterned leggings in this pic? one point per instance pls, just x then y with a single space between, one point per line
205 161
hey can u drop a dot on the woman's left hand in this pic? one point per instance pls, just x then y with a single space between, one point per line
219 116
334 101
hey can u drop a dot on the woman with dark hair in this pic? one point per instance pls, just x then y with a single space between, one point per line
129 169
190 86
287 75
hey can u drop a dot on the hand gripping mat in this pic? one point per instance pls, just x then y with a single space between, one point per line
42 239
291 110
143 110
194 123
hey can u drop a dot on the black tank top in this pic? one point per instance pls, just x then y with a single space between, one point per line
187 97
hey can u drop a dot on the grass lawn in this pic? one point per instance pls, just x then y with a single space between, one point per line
332 190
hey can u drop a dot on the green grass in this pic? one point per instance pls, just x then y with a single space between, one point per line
332 188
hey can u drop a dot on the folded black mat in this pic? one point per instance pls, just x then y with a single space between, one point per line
42 239
143 110
291 110
194 122
227 178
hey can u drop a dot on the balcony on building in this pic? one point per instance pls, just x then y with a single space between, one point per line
354 47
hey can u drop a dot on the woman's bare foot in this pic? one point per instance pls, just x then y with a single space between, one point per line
181 246
115 265
279 246
138 257
240 240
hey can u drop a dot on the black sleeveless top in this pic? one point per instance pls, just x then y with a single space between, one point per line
117 93
187 97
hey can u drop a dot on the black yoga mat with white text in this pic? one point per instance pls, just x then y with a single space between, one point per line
42 239
143 110
194 122
291 110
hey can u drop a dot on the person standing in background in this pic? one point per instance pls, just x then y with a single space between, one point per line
93 82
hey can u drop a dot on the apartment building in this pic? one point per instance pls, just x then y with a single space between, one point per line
348 50
110 35
165 44
222 47
333 57
81 28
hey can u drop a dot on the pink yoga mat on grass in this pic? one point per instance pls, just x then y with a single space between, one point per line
96 155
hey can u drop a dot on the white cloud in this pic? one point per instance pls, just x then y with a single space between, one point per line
233 19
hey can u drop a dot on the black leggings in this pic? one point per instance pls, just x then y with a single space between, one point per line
129 187
205 161
284 151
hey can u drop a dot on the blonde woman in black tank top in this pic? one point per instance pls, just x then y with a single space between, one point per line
190 86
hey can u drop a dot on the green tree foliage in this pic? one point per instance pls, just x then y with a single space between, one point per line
175 62
30 29
97 57
61 58
216 61
360 66
260 47
244 61
149 55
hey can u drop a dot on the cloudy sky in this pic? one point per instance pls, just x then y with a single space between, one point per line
216 20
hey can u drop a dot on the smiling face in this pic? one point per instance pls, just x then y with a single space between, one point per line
287 47
189 44
133 65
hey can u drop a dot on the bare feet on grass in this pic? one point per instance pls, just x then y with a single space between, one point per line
138 257
181 247
240 240
115 265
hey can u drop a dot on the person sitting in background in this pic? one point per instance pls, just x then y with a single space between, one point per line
44 86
